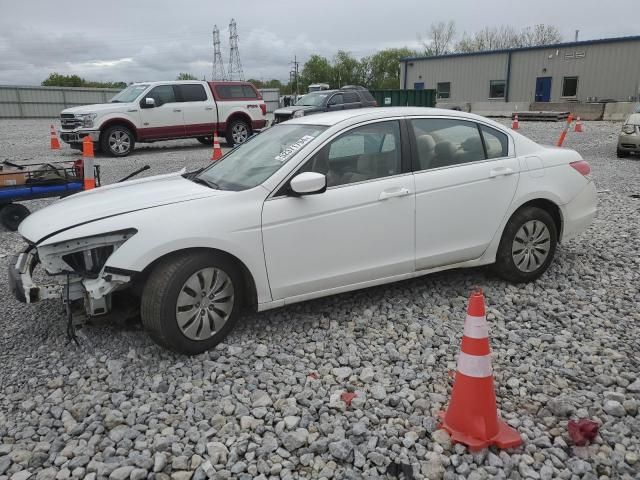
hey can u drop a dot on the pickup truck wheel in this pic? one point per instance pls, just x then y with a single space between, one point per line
238 132
12 215
206 141
191 302
117 141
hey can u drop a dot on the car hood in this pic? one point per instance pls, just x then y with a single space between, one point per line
99 108
295 108
111 200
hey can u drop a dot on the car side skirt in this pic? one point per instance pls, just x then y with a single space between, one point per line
484 260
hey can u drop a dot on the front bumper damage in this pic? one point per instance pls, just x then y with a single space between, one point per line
83 295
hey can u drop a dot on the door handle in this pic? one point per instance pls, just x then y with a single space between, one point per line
399 192
208 108
177 110
500 171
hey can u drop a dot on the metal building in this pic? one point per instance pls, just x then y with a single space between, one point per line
585 71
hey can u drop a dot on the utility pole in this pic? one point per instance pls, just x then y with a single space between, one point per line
294 72
217 72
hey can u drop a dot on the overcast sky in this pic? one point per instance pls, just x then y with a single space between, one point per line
146 40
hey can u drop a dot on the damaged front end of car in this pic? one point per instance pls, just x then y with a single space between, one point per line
84 283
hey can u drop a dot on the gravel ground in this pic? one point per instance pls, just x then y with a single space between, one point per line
266 403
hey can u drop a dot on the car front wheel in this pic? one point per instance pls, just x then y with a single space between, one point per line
191 302
527 246
117 141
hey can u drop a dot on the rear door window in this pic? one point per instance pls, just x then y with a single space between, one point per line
192 93
496 143
351 97
443 142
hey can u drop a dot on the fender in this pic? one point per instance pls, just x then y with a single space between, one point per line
119 120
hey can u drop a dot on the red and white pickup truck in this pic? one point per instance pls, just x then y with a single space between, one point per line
154 111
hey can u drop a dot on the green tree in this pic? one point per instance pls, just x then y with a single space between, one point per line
347 70
185 76
315 70
57 80
383 68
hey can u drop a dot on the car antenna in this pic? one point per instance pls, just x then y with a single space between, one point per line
133 174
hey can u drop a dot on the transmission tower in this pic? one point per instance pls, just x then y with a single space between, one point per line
235 66
218 65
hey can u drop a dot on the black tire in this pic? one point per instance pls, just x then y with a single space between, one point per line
109 137
233 130
12 215
505 265
208 141
160 297
621 153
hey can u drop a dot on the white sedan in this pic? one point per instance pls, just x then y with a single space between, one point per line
311 207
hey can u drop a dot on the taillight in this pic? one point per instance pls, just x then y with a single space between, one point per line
263 107
582 166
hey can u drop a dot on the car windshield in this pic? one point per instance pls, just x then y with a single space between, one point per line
129 94
312 99
252 163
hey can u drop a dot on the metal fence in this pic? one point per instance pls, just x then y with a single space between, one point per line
47 102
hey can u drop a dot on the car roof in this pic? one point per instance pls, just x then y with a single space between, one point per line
375 113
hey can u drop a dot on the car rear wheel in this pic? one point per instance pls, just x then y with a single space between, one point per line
527 246
238 131
191 302
117 141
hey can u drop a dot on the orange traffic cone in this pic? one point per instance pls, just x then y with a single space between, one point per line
515 125
216 154
55 143
578 127
87 159
472 416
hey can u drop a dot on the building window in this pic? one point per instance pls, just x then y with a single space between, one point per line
569 86
496 88
443 90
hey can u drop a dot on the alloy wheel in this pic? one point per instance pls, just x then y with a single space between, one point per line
240 133
531 246
204 303
119 142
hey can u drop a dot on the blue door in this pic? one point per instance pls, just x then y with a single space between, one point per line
543 89
418 86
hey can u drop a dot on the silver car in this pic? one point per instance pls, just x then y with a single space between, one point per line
629 138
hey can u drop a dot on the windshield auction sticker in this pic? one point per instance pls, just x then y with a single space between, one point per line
293 148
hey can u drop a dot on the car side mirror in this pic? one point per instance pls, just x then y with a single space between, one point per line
308 183
148 103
